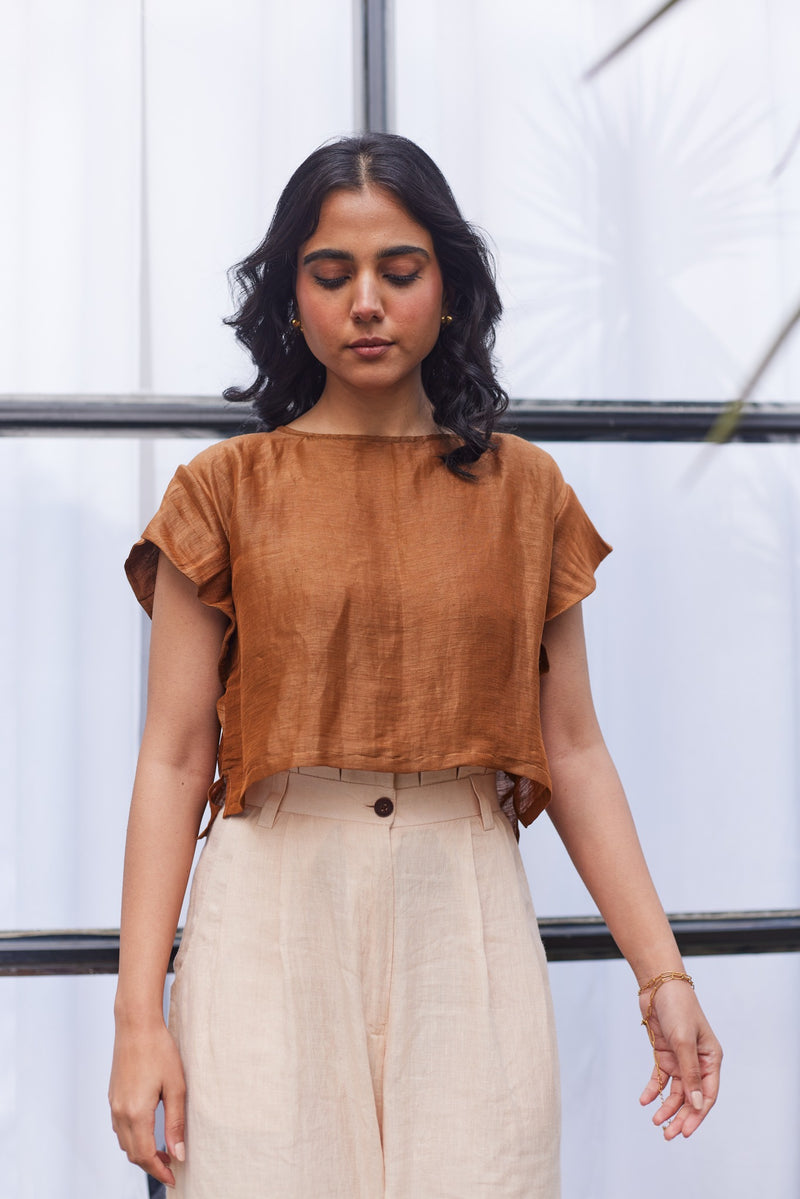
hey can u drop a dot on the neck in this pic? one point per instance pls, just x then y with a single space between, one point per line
372 415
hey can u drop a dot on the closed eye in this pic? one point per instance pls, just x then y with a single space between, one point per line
331 284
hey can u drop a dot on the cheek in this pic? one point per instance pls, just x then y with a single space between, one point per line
433 327
424 312
319 341
311 302
315 315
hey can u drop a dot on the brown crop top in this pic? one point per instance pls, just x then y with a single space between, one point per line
384 614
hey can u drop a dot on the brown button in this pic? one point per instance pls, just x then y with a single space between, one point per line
383 806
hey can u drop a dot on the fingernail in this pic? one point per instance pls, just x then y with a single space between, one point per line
697 1100
180 1151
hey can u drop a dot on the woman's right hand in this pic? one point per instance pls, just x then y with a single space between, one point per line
146 1068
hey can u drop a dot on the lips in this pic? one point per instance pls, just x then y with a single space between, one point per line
370 347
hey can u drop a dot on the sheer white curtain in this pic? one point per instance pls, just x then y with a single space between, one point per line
148 145
146 148
647 250
694 638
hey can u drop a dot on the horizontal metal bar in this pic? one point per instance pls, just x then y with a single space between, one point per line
539 420
190 416
633 420
699 934
566 939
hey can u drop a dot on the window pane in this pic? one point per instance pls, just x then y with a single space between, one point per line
56 1037
146 159
641 230
609 1143
693 642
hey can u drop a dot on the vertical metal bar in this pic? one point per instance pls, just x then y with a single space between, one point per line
374 61
146 454
147 506
145 380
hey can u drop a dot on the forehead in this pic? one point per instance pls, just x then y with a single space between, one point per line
363 222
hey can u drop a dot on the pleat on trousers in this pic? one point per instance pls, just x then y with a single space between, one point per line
361 999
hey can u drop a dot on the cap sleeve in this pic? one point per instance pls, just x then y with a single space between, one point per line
191 528
578 549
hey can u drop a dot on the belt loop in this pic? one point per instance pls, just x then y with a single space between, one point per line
483 803
272 803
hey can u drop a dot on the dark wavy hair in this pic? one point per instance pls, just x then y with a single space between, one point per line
458 374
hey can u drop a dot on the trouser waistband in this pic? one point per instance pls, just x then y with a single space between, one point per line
380 798
380 778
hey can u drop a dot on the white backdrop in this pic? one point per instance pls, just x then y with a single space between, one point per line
644 252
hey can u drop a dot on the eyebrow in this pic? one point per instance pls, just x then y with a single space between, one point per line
345 256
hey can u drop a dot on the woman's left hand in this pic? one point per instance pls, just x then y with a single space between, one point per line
688 1057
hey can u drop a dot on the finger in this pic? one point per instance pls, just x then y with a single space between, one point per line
688 1119
684 1123
136 1137
710 1053
671 1106
655 1085
693 1118
158 1167
156 1163
674 1127
690 1073
151 1161
668 1110
703 1095
174 1100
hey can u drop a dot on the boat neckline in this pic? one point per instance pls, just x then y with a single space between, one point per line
416 437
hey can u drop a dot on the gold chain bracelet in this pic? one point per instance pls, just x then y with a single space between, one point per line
653 985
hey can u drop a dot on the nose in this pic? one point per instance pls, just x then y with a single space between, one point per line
367 304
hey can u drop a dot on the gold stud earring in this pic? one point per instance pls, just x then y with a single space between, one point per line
296 324
447 320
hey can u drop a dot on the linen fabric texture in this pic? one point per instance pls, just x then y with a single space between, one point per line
380 1023
383 613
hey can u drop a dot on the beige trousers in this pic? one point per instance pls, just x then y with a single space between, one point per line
361 1000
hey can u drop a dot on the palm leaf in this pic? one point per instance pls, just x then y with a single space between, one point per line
623 45
725 425
783 161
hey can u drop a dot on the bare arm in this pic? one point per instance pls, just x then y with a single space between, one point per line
592 817
176 766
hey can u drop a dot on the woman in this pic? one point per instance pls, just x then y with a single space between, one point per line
378 601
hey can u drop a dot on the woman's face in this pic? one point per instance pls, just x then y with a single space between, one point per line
369 293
